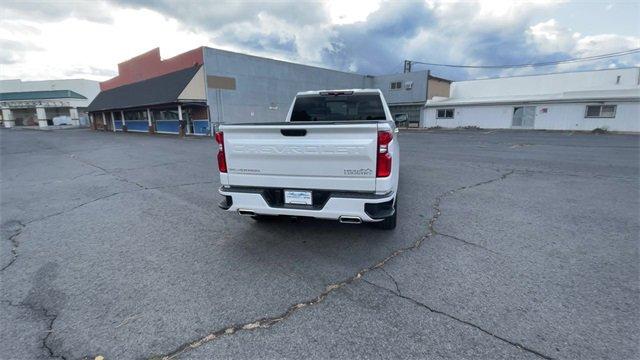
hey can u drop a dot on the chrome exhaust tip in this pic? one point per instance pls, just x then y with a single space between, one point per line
350 220
246 212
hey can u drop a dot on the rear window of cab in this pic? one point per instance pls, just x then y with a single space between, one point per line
342 107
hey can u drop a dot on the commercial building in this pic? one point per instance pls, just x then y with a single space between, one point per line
586 100
192 92
44 103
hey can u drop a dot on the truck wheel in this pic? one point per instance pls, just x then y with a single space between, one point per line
390 222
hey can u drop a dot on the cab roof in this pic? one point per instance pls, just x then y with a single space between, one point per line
346 91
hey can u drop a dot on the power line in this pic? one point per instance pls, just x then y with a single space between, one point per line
548 63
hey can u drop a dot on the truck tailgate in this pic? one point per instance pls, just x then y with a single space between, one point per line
335 156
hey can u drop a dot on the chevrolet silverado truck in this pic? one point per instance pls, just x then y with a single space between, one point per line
335 157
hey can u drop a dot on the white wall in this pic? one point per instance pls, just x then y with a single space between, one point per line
547 84
88 88
571 117
486 117
566 116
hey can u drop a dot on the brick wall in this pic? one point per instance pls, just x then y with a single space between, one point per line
150 65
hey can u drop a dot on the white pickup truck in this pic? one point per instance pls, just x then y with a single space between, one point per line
336 157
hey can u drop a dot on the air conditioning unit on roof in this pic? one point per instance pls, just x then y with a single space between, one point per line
408 85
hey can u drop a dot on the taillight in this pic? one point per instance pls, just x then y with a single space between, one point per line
383 164
222 161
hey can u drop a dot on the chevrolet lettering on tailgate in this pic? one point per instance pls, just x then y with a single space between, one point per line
298 149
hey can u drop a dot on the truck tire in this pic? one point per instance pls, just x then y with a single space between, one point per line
390 222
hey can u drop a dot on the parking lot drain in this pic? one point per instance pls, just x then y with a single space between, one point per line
270 321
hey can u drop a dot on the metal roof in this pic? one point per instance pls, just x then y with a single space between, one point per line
439 78
40 95
163 89
565 97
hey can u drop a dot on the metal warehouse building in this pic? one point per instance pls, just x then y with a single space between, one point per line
193 91
606 99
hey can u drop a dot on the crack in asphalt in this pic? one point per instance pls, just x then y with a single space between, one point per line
267 322
52 319
126 180
466 242
525 171
14 251
50 316
13 237
431 309
14 245
76 207
104 170
392 279
150 166
178 185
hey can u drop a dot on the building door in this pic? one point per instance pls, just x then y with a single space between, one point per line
524 117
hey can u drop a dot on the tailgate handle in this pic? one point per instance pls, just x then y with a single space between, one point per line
293 132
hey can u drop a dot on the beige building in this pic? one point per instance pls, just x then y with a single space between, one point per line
45 103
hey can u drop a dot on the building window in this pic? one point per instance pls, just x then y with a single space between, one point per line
135 115
600 111
396 85
169 114
444 114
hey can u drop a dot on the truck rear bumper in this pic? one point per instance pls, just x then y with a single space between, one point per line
366 207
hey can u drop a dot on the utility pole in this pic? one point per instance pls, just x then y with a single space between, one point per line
407 66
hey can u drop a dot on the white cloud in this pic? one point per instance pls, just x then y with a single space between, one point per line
549 36
81 48
373 37
348 12
604 43
47 11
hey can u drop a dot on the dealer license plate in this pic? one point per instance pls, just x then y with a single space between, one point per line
297 197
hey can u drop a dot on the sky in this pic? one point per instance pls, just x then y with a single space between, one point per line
87 39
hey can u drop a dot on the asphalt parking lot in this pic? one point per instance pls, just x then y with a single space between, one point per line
509 245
